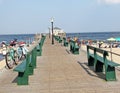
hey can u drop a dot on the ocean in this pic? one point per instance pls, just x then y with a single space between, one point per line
81 36
94 35
19 37
28 38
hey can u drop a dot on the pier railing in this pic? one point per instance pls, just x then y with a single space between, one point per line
114 56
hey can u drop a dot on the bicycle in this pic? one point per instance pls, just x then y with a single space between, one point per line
20 53
11 58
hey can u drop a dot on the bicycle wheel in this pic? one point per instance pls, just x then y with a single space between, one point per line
9 61
16 58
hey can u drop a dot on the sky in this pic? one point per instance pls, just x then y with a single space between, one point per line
34 16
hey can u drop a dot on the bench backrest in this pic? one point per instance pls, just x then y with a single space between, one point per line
72 42
21 67
97 50
31 57
105 53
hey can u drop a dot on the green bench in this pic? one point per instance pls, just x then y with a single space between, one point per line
73 47
101 63
60 40
43 39
22 78
39 49
56 38
39 46
26 67
65 42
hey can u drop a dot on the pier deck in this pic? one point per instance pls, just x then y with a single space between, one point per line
59 71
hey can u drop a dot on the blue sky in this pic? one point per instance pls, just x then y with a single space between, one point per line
33 16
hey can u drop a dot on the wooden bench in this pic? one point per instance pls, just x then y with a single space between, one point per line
56 38
39 49
60 40
43 39
65 42
26 67
39 46
22 78
101 63
76 49
73 47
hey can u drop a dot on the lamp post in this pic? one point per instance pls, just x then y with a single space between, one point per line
52 31
49 31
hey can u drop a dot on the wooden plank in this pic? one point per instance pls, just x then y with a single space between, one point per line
21 67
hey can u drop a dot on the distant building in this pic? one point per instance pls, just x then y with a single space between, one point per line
58 32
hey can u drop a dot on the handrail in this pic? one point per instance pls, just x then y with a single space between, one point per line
111 54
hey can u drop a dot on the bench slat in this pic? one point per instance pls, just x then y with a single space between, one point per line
97 50
112 63
91 47
76 46
102 51
100 58
21 67
92 55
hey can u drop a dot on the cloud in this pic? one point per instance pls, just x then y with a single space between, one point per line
109 1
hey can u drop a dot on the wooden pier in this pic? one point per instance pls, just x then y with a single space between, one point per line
60 71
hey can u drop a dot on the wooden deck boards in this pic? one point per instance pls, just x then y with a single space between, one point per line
59 71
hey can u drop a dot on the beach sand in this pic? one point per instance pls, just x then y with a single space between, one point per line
2 64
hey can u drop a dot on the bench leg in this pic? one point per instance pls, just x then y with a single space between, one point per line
65 44
99 67
90 61
22 79
76 51
39 53
110 74
31 70
71 48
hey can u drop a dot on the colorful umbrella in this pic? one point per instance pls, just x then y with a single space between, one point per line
111 39
117 39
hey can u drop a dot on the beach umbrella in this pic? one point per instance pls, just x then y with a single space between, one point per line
117 39
111 39
21 43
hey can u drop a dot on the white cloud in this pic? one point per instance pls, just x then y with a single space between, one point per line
109 1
